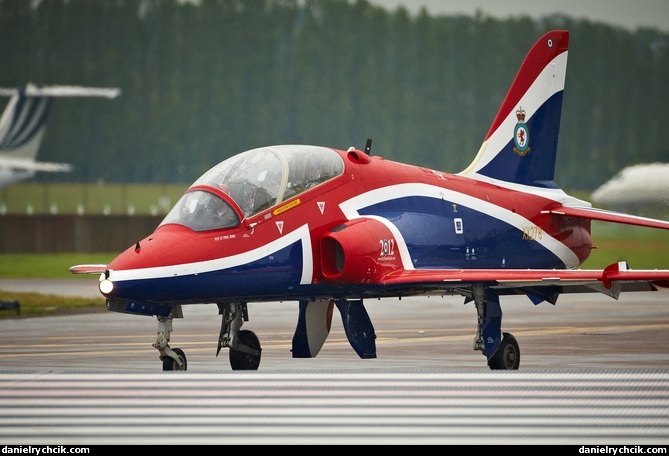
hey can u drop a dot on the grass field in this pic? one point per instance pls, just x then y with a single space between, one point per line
642 248
48 266
38 304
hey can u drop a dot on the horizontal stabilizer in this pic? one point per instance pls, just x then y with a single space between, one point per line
29 165
609 216
32 90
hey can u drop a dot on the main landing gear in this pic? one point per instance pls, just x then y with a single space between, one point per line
243 344
501 349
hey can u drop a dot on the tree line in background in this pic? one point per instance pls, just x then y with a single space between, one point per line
203 81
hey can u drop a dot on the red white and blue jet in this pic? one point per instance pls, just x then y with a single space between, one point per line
326 227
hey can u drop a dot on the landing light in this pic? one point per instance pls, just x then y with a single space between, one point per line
106 286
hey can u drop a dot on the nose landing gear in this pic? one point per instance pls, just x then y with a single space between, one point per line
173 359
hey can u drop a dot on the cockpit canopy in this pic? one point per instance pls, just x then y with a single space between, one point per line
255 180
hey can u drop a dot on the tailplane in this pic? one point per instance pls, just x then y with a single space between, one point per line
521 145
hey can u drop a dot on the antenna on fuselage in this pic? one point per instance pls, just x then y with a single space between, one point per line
368 146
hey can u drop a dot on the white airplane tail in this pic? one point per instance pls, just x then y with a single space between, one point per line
22 127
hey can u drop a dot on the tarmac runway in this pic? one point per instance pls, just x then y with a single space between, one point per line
593 371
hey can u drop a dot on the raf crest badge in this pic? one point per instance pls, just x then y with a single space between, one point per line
521 135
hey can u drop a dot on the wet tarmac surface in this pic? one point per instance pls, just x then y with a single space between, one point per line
584 331
593 371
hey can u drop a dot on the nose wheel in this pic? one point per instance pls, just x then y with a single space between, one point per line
173 359
171 364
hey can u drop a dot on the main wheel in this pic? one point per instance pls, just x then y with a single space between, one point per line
171 365
240 360
507 355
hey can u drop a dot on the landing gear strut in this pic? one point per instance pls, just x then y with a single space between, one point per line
243 344
173 359
501 349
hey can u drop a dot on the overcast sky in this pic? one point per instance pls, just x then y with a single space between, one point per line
627 13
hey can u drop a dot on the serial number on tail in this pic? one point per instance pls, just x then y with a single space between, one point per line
532 233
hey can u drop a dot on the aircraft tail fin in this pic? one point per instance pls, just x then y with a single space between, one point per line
521 145
22 124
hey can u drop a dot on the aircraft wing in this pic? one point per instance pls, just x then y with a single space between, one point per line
29 165
542 283
608 216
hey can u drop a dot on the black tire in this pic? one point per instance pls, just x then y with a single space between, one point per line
240 360
170 365
507 356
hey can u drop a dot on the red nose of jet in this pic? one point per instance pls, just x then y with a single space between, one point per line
168 245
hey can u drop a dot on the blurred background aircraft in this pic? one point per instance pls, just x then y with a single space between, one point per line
22 127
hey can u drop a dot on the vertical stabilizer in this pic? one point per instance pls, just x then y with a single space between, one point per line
22 125
521 145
